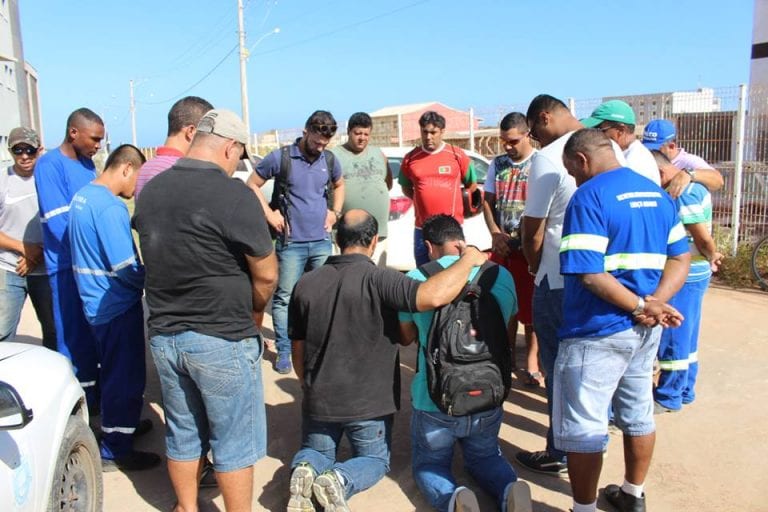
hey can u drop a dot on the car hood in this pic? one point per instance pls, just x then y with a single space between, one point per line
10 349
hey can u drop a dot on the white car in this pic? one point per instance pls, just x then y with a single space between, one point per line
402 216
49 458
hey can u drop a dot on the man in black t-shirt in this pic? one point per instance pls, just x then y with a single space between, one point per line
342 320
210 267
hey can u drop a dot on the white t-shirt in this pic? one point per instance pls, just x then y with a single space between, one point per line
640 160
550 188
19 217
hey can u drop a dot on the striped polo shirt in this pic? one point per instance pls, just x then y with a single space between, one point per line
695 207
624 224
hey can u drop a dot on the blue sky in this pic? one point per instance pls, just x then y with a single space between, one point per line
350 55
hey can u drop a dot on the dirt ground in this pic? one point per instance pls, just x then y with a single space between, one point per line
713 456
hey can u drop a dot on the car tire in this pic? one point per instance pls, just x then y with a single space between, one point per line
77 481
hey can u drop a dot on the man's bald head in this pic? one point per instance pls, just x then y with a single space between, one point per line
587 153
356 228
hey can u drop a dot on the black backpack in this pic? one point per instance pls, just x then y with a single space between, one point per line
469 364
280 193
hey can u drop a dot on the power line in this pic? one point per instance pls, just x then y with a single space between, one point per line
182 93
342 28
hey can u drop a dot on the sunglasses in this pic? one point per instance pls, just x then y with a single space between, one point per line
326 130
20 151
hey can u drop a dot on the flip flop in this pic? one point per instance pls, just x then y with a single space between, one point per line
533 379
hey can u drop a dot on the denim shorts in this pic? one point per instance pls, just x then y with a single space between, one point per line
213 398
593 373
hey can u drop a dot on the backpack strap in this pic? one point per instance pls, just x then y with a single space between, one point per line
280 195
330 163
430 268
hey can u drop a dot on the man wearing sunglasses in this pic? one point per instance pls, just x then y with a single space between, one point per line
307 200
22 269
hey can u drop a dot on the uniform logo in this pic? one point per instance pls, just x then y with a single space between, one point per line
444 169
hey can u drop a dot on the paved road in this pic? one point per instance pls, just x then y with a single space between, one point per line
713 456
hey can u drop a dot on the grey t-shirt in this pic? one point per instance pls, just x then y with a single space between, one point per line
19 216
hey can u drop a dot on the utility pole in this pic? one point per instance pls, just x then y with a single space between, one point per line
133 114
243 78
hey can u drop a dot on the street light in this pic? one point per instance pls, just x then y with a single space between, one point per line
244 52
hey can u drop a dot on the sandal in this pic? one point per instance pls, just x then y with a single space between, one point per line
533 379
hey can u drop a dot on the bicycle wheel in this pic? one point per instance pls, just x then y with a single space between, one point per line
760 262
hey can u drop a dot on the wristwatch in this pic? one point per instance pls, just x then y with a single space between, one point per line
640 308
690 172
337 213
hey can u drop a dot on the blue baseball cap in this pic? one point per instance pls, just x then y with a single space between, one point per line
658 132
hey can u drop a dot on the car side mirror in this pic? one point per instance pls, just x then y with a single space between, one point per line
13 413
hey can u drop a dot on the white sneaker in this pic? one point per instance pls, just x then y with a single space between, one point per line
518 497
302 478
463 500
330 493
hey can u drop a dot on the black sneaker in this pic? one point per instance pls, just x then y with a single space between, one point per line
143 427
542 462
622 501
134 461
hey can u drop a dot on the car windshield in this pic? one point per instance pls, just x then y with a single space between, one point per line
481 168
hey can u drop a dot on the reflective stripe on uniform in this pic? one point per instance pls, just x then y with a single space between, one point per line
88 384
119 430
579 242
671 366
693 357
56 211
93 271
635 261
676 233
123 264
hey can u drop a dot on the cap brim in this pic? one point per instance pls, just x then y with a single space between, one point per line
592 122
653 145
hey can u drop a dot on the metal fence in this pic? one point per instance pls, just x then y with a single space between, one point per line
727 126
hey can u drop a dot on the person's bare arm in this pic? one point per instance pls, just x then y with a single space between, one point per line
443 287
274 217
533 240
263 271
11 244
338 204
30 255
673 277
705 244
297 357
500 239
408 333
388 177
710 178
608 288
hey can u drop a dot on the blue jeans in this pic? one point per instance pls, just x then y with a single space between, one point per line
433 436
371 441
593 373
420 251
679 348
212 397
293 258
547 319
13 292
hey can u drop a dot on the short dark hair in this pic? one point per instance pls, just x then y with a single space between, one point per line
661 158
187 111
441 228
81 115
514 120
358 234
125 154
320 117
433 118
359 119
587 141
543 103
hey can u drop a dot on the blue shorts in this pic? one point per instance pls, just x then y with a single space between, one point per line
213 398
593 373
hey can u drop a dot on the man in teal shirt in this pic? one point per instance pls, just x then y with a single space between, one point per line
433 433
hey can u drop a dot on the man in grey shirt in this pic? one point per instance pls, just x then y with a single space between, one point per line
22 269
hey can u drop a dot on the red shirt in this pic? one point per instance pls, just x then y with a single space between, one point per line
437 179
